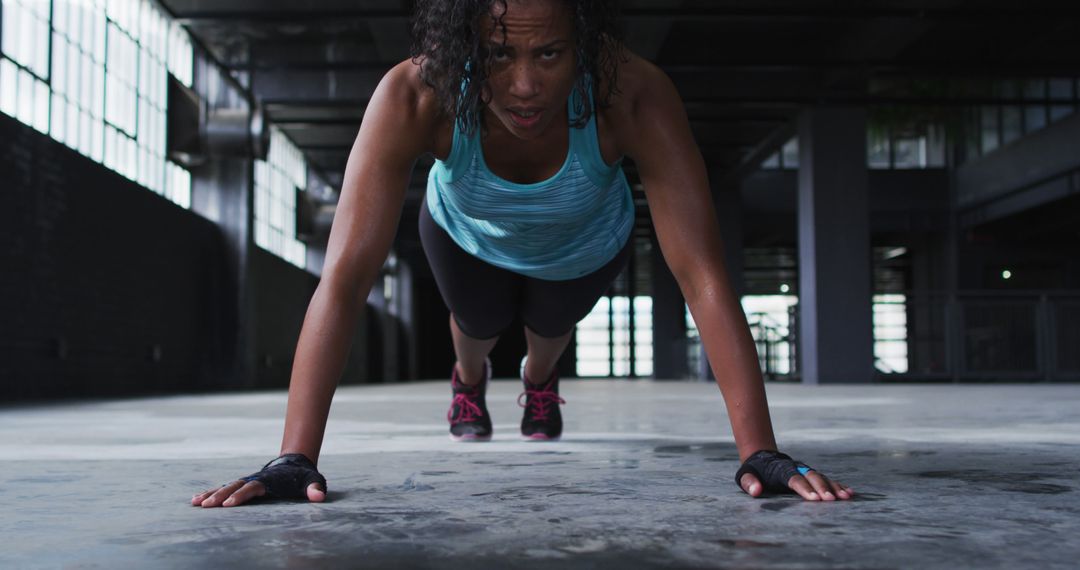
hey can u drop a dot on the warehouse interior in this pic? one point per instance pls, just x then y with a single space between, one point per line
897 184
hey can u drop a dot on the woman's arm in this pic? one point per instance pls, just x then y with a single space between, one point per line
397 128
399 125
652 128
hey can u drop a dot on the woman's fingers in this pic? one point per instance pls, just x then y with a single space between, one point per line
821 485
238 492
842 491
816 487
315 493
198 499
218 496
245 493
751 485
800 485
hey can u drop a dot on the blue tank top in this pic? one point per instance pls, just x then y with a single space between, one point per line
561 228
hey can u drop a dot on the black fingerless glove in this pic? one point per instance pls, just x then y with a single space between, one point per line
772 468
288 476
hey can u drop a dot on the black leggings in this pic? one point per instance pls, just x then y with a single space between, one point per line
484 299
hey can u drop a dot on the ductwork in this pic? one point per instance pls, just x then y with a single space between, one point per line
196 132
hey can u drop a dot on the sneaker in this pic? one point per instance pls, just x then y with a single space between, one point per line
468 415
542 419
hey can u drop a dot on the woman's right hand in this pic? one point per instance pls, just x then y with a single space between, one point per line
239 492
291 476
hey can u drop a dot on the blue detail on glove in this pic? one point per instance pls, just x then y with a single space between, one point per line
803 470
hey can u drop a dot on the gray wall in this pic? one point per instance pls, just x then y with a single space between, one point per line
106 287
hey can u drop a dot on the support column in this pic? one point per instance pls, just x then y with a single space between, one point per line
220 193
668 320
729 213
836 342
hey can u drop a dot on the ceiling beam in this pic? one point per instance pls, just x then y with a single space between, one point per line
981 68
705 14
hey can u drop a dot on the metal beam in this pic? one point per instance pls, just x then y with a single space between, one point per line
760 152
970 69
868 100
709 14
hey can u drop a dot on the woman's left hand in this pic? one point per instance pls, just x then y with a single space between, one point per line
811 484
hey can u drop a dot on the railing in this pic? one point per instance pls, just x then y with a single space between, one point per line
992 335
964 336
773 339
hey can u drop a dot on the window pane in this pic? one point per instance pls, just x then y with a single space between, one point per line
71 126
86 133
10 39
1034 117
86 81
99 35
97 138
790 153
86 26
1060 111
989 129
98 90
41 48
60 15
24 40
1011 119
71 64
110 147
935 146
41 106
1061 89
971 134
8 91
25 110
59 65
59 117
877 148
910 153
1035 89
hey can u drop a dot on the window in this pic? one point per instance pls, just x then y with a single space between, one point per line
24 67
603 338
25 37
100 89
910 152
277 181
989 128
1061 89
593 340
120 75
877 148
787 158
790 154
1012 126
769 317
771 163
890 333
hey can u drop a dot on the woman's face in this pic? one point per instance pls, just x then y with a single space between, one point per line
534 69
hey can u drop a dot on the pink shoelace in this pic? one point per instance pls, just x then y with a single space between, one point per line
539 402
467 409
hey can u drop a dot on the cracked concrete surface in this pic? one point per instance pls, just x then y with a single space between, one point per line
974 476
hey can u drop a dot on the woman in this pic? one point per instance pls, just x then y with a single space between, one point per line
528 108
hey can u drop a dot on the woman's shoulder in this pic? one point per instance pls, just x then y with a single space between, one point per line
419 106
639 84
634 77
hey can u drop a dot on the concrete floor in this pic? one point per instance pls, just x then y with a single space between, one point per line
981 476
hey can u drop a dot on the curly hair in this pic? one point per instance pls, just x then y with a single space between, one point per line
446 42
